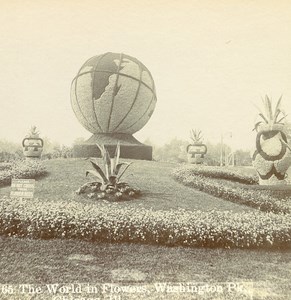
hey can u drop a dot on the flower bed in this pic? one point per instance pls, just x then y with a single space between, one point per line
222 173
109 222
22 169
259 199
5 166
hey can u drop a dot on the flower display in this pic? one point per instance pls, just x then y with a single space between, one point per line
196 150
218 172
5 166
112 223
22 169
32 144
103 221
272 156
108 185
113 93
204 179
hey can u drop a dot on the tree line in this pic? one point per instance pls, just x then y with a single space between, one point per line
173 151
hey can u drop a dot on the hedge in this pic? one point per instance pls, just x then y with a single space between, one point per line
25 169
111 223
241 194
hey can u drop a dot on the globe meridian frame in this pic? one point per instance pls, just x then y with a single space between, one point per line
109 99
113 96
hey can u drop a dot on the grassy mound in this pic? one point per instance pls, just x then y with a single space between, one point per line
159 191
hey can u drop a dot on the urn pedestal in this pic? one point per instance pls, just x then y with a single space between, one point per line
272 158
32 147
195 153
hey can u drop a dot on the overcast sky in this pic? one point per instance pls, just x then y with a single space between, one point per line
210 60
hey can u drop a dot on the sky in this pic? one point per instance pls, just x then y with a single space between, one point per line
211 62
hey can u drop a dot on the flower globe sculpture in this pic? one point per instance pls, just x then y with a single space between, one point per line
196 150
32 144
113 96
272 156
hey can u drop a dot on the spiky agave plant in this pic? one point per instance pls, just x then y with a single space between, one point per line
272 156
33 132
196 136
270 120
112 168
108 177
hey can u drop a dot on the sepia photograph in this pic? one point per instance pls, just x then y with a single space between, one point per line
145 150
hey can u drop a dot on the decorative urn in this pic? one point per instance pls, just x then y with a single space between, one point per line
196 150
32 144
272 156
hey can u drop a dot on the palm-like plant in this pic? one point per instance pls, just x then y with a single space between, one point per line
112 168
270 118
33 132
196 136
108 184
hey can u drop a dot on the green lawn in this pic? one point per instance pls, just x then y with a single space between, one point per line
40 262
65 262
159 190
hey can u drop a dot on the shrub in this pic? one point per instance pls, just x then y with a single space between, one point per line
109 222
108 183
262 200
25 169
5 166
221 173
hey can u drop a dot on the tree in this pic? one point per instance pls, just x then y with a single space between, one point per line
174 151
243 158
10 150
79 140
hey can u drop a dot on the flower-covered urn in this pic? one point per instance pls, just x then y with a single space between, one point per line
272 156
32 144
196 150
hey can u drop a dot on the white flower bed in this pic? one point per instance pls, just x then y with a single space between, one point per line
111 223
22 169
221 173
262 200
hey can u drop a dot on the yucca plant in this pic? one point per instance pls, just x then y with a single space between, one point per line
33 132
112 168
270 118
108 176
196 136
